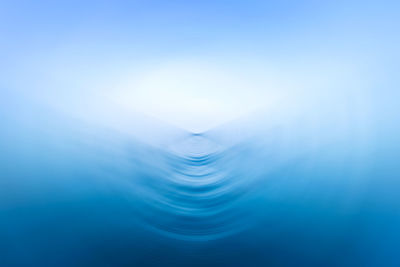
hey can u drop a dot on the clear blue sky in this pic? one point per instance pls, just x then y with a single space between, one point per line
64 50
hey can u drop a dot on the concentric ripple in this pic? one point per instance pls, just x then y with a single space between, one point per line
194 196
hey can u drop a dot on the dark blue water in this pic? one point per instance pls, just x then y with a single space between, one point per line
75 194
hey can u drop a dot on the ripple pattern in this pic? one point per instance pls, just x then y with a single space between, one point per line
194 196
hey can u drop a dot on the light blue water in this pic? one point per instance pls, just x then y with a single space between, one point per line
75 194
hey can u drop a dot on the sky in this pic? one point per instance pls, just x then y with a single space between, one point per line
194 64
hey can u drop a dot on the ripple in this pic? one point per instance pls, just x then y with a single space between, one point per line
194 196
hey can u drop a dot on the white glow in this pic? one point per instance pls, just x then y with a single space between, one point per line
192 94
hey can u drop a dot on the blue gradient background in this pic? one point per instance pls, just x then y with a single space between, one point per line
199 133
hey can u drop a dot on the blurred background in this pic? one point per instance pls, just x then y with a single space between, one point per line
199 133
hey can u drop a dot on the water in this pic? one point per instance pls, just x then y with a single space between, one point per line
76 194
